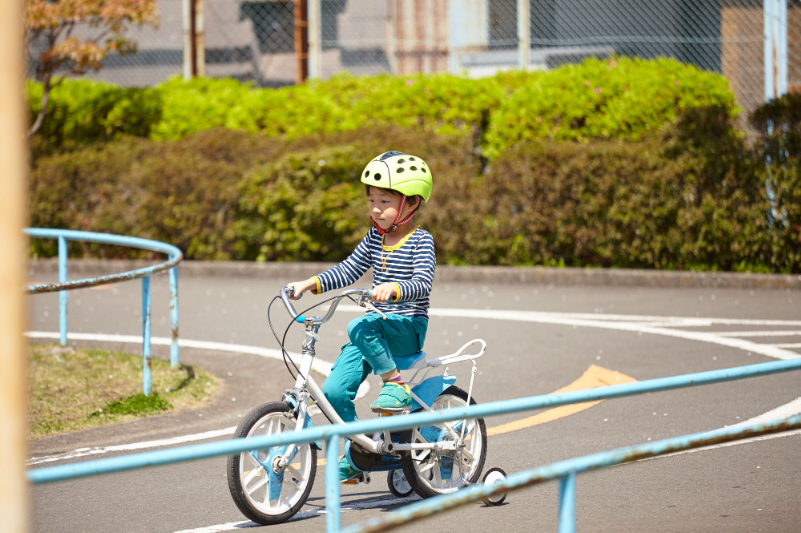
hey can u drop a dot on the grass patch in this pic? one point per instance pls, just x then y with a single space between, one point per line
74 389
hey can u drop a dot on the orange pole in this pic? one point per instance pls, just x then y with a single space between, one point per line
301 41
13 160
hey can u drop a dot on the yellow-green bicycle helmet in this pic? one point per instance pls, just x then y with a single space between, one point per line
407 174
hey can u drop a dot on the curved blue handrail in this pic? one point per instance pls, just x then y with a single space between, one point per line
104 238
63 285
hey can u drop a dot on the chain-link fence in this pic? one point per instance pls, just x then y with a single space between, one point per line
255 39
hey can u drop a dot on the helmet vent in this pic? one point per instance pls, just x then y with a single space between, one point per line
377 176
423 169
387 155
367 174
412 168
401 161
411 159
401 169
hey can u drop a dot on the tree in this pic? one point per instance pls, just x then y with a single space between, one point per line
100 25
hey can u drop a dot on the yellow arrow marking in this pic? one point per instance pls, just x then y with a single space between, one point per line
593 377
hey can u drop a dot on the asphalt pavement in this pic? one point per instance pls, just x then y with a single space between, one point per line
748 487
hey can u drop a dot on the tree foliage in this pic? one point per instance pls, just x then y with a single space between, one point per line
76 36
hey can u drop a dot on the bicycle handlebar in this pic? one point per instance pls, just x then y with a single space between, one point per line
286 292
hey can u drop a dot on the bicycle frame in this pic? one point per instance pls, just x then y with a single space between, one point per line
305 386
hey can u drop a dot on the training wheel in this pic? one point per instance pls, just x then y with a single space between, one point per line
494 475
398 484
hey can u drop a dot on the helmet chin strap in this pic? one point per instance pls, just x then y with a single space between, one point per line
395 223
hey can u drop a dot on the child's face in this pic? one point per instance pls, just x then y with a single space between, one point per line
384 207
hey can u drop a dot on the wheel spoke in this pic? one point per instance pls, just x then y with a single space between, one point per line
296 474
256 472
423 455
437 471
425 467
469 455
258 485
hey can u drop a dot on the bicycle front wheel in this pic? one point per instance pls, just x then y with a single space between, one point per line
430 472
263 495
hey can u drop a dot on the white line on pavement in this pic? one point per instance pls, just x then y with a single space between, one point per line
785 411
759 333
83 452
630 323
356 506
323 367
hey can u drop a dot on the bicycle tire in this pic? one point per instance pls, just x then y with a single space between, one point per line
428 482
271 418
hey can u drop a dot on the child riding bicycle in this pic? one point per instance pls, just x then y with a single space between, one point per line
403 261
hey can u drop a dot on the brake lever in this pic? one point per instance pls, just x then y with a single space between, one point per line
365 302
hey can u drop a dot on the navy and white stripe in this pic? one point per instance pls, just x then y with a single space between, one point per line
410 265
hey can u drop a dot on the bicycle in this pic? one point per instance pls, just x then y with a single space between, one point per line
270 486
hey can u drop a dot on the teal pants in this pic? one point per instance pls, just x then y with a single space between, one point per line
373 342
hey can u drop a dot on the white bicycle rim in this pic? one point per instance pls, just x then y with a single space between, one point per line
427 462
254 478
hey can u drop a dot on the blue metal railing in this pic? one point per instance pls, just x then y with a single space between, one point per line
63 285
565 470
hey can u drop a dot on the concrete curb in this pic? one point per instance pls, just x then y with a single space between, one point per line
451 274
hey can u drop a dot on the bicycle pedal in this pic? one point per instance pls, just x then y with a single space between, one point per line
398 413
363 478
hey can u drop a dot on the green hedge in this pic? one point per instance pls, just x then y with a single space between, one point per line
81 111
692 197
779 127
223 194
619 99
622 98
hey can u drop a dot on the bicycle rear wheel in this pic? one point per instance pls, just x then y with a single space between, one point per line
431 473
262 495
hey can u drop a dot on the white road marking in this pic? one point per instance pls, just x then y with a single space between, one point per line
785 411
323 367
618 323
642 324
678 320
318 365
759 333
792 345
83 452
356 506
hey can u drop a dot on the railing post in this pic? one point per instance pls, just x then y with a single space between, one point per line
62 295
174 317
146 379
567 503
523 33
332 485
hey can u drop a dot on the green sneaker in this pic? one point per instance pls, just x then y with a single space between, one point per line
393 398
346 471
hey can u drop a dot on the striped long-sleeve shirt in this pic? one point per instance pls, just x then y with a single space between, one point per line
409 265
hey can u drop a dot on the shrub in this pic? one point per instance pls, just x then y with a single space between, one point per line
778 124
222 194
624 98
618 99
689 198
82 111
